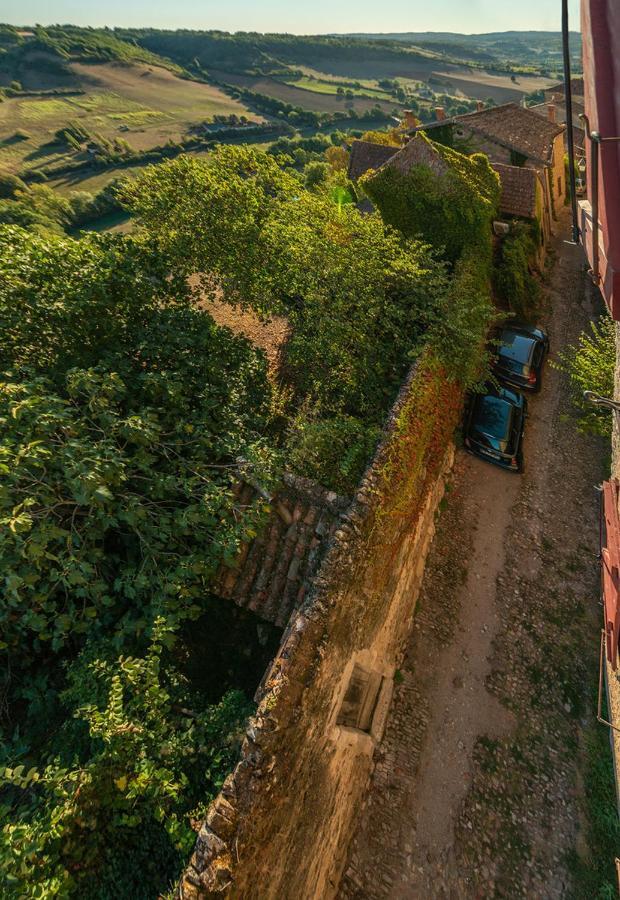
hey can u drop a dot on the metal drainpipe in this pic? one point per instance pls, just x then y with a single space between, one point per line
568 96
595 142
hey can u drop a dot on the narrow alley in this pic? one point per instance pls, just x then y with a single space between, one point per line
476 791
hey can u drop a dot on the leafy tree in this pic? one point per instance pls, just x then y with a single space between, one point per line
590 365
337 158
357 295
126 416
315 174
134 511
106 817
38 207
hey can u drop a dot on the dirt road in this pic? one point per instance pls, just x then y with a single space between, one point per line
476 787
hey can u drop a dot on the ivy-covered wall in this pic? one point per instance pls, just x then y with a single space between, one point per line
450 210
281 826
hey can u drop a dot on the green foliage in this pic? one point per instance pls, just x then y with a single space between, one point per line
332 451
316 174
595 874
451 210
358 296
125 414
124 776
590 365
135 450
39 208
10 185
513 280
391 138
459 333
97 44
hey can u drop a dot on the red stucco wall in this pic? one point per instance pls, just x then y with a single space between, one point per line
600 24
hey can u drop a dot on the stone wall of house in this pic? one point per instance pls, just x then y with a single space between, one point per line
282 823
482 144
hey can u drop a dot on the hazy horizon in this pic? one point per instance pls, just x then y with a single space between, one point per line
321 17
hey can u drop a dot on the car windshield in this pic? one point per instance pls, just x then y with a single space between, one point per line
516 348
494 417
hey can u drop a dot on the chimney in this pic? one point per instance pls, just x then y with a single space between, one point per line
410 118
440 113
479 105
551 112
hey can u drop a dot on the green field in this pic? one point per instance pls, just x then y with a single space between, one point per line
145 105
330 86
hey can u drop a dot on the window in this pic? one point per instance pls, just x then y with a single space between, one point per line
360 700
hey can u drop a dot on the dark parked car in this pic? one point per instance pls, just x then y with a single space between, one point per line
520 356
494 425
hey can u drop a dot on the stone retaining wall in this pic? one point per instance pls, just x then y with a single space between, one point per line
281 826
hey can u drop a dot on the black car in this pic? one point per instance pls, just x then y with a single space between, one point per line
520 356
494 424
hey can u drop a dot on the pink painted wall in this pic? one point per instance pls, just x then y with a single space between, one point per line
600 26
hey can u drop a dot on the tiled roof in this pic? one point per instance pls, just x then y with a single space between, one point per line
518 196
418 152
273 572
512 126
366 155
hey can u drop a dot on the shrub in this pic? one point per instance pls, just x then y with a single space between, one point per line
108 815
335 452
513 280
10 185
315 174
590 365
125 411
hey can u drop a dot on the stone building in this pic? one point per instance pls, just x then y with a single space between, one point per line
511 135
524 191
554 108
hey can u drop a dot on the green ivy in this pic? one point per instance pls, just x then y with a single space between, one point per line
87 824
513 280
451 210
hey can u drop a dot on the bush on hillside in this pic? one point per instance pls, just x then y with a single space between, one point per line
10 185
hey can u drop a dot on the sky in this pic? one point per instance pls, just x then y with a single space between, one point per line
315 17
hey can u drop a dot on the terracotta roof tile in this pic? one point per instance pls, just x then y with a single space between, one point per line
272 573
512 126
366 155
518 196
